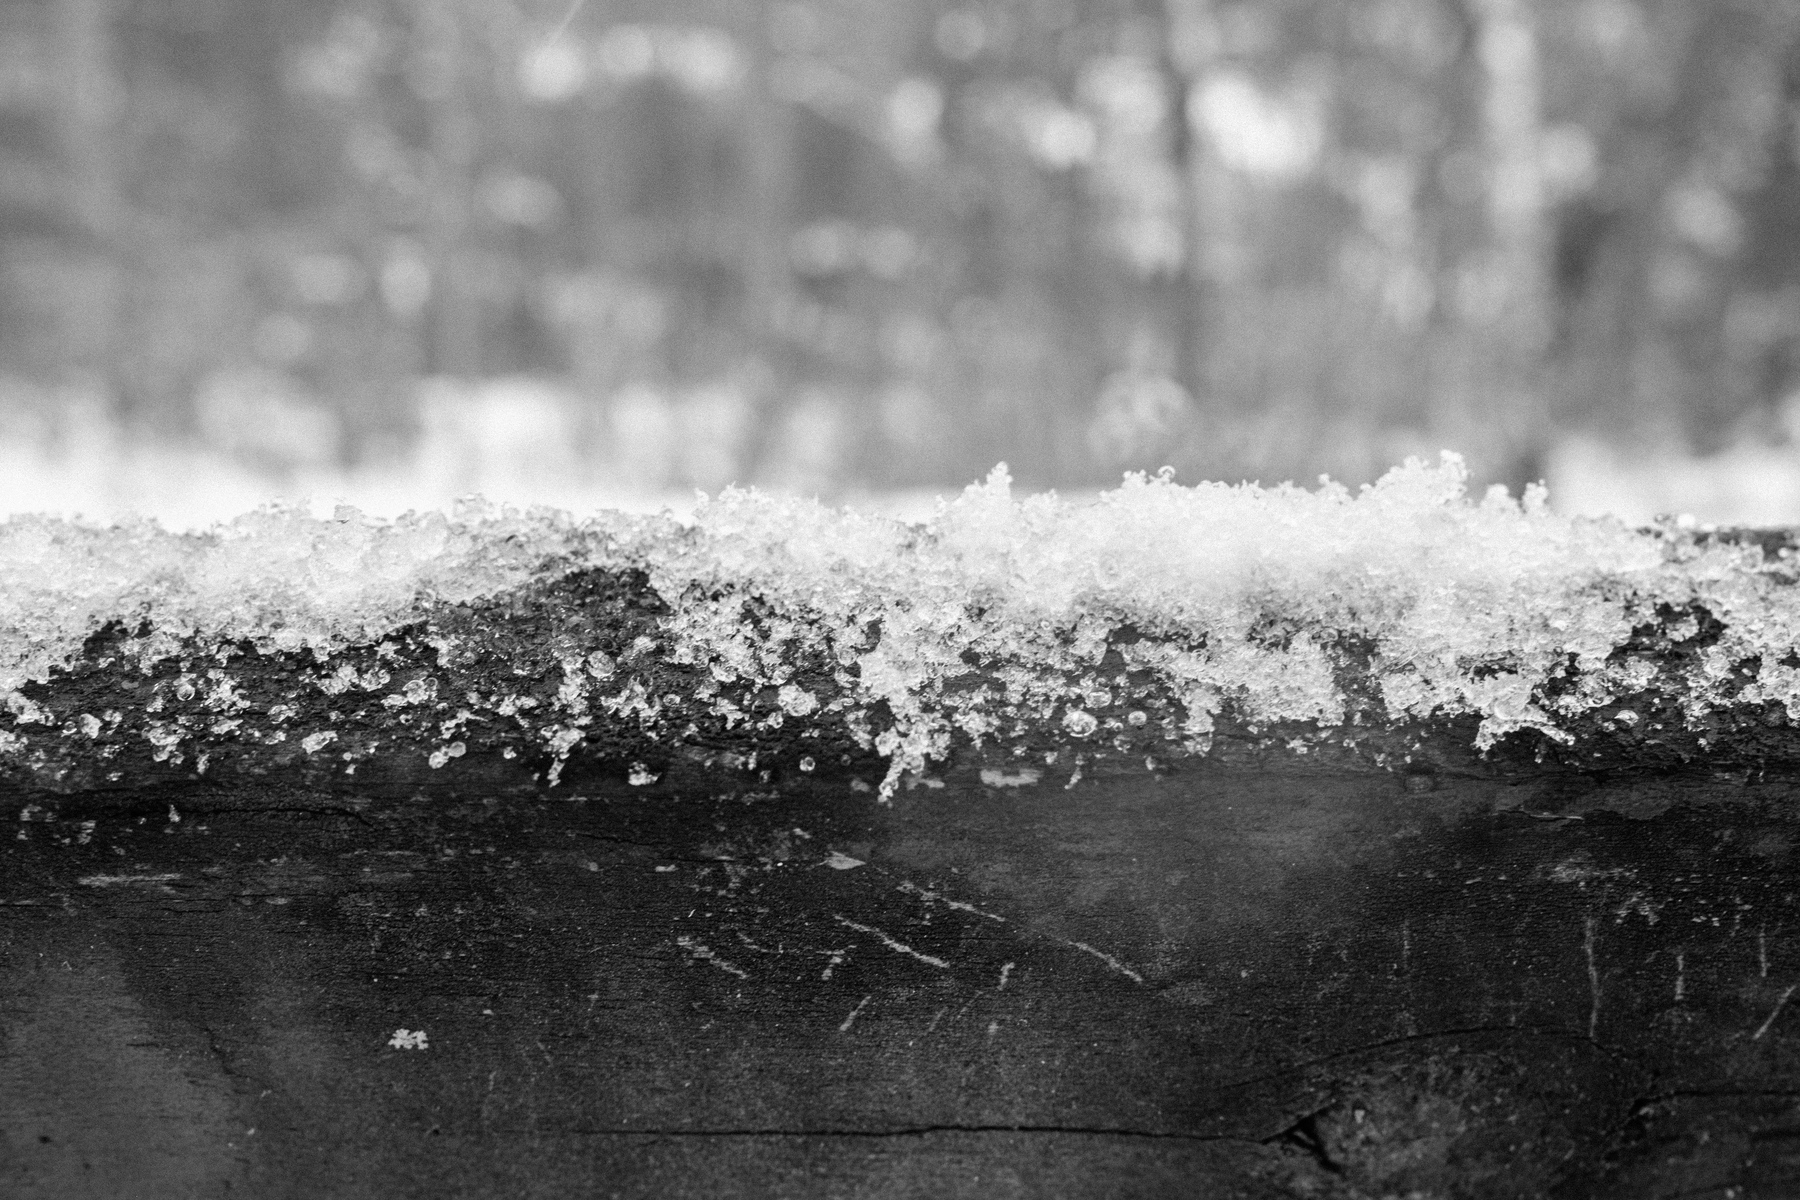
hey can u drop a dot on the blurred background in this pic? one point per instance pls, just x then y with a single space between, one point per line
609 252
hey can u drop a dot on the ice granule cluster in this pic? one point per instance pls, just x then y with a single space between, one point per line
998 612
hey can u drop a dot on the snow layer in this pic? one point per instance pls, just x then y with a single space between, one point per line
277 578
995 612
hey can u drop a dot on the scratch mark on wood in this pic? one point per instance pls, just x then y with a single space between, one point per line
745 938
116 880
1593 971
938 1016
486 1099
854 1013
932 897
1680 976
1762 950
892 944
1005 974
1770 1020
702 951
837 956
1109 960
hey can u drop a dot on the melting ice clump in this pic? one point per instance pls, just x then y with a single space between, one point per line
998 613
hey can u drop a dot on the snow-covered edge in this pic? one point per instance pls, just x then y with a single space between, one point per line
1244 596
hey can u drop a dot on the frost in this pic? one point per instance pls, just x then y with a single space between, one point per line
26 711
561 740
312 743
347 677
416 691
165 738
796 701
1080 723
443 754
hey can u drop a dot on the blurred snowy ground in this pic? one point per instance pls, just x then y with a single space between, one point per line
525 443
518 442
1744 485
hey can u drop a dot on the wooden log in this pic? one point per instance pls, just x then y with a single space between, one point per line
448 950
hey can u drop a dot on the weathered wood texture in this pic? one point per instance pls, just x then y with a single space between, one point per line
1259 974
1262 983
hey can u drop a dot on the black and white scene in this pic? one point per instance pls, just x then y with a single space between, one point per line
869 599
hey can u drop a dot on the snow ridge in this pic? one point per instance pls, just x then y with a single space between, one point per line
998 611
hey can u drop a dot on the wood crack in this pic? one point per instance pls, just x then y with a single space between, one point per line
920 1131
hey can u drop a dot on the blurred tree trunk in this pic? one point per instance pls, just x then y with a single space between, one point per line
1646 339
601 138
1515 287
1216 242
767 156
1604 257
1191 50
86 110
456 327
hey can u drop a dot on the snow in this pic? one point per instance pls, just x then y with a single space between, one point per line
278 577
1240 591
1244 596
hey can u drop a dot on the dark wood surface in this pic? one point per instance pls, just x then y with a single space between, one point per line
1371 964
1258 979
